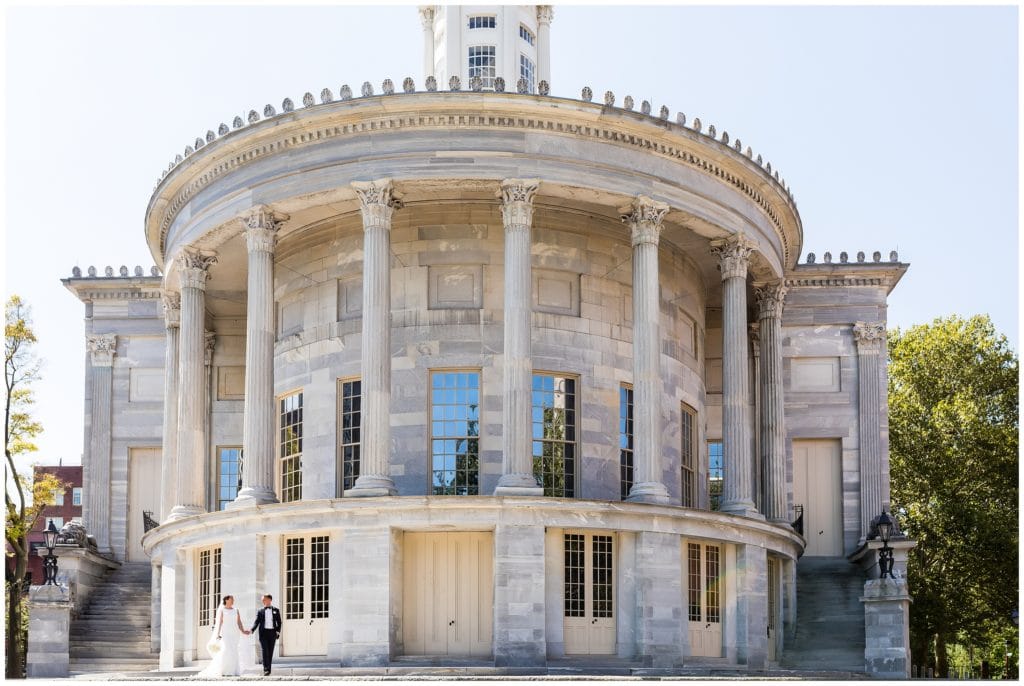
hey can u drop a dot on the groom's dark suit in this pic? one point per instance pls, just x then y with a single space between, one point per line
268 634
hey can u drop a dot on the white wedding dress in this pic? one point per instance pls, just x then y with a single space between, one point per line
228 661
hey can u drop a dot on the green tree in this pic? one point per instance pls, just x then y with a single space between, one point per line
25 498
953 429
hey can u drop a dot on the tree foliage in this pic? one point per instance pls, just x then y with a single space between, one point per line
24 498
953 429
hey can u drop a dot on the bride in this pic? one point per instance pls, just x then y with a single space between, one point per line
223 645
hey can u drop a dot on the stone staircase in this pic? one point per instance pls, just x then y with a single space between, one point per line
111 634
830 617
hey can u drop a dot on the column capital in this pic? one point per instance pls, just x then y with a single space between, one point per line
644 217
869 336
102 348
545 13
517 202
172 309
195 267
733 255
260 228
210 342
770 299
377 202
754 333
427 16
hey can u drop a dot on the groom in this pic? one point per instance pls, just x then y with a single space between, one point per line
268 620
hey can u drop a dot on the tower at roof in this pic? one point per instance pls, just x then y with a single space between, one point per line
489 41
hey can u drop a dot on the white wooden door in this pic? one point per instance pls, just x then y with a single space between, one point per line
306 595
447 602
143 496
703 565
817 485
207 597
589 594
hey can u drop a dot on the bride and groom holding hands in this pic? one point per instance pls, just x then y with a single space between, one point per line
228 629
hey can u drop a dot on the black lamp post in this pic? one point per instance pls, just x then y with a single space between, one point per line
885 526
50 560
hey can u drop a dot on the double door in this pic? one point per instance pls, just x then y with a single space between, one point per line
305 609
703 565
589 594
448 604
817 486
143 497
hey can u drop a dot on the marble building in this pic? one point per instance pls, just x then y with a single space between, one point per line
465 368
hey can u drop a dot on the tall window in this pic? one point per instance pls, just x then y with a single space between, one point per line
483 63
230 475
58 496
350 422
716 472
526 71
209 585
482 22
687 455
291 447
554 434
526 34
76 496
625 439
455 433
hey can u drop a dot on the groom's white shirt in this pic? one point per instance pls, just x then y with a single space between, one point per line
268 619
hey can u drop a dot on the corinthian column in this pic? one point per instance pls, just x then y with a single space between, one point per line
644 218
734 256
770 299
191 490
261 226
96 510
869 337
377 202
427 19
516 433
169 458
545 13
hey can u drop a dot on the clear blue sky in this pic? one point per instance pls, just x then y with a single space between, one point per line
896 128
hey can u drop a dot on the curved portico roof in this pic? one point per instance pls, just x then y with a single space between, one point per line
712 183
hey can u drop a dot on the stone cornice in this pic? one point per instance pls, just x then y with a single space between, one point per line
130 288
433 111
877 275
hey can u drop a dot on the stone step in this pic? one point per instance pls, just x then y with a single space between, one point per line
112 650
105 621
141 645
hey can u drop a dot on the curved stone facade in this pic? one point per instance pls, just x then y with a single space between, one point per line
395 322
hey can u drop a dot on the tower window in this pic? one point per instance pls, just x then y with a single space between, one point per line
526 34
625 439
455 432
687 455
482 22
554 433
482 63
526 71
716 474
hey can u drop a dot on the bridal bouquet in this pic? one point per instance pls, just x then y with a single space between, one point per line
213 646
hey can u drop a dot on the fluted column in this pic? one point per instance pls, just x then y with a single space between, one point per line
378 202
770 298
516 434
427 19
757 464
191 489
870 337
259 422
734 256
96 509
644 218
545 13
169 457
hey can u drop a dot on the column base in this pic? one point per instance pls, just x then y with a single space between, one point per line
371 485
518 485
182 511
653 492
743 508
251 497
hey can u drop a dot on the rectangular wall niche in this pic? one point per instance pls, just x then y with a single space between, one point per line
814 374
350 298
455 286
145 385
289 318
231 383
556 292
